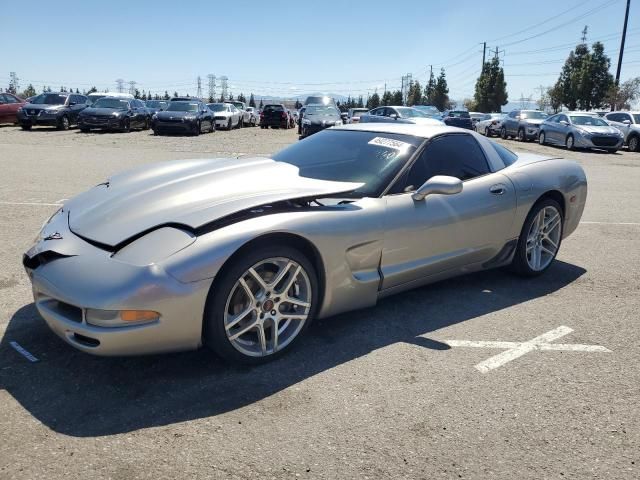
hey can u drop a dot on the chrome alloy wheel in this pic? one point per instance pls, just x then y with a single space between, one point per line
543 238
267 307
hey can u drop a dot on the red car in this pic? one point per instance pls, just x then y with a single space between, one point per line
9 105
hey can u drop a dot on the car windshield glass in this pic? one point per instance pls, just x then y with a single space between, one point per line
94 98
274 108
370 158
458 114
636 117
587 120
322 111
411 113
534 115
107 102
217 107
498 115
427 108
50 99
357 113
153 104
182 107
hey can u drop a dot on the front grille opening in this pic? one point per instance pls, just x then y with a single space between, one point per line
41 259
66 310
86 341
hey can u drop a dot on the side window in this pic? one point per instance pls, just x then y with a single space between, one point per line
3 99
614 117
563 118
626 116
552 119
10 98
513 114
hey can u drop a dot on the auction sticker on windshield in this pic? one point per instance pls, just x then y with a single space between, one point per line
389 143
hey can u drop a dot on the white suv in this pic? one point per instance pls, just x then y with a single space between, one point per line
629 124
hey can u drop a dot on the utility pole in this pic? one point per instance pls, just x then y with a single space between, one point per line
120 85
484 52
199 91
624 36
212 86
132 87
225 86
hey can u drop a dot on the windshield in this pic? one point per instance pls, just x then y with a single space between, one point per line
182 107
217 107
155 104
533 115
498 115
50 99
352 156
93 98
411 113
106 102
322 111
458 114
358 112
273 108
636 117
587 120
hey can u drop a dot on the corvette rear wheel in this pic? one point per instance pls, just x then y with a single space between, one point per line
540 239
261 305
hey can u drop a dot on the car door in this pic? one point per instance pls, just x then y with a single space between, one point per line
511 122
549 126
446 232
563 128
4 108
617 119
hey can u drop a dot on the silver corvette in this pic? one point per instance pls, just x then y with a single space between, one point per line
241 254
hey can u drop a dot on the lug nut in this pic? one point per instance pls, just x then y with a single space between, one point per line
273 312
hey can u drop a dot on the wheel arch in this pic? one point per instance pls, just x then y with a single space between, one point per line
553 195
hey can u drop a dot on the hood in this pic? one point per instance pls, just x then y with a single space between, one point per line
528 158
597 129
323 119
223 113
533 121
101 111
187 192
425 121
43 106
166 115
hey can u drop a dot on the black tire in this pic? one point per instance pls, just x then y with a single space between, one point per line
612 151
84 129
156 132
26 126
212 126
503 133
214 334
634 143
63 123
230 124
541 138
519 264
146 125
521 136
241 122
126 125
197 129
569 142
487 132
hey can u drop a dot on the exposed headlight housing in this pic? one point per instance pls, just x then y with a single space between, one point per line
119 318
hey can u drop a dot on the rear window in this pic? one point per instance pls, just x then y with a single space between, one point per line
458 114
273 108
507 156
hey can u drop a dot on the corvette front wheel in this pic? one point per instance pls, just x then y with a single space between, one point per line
261 304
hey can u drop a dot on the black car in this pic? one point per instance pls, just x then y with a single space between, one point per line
155 106
191 117
54 109
458 118
319 117
300 116
274 116
111 113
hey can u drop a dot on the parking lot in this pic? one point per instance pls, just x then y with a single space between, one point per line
408 389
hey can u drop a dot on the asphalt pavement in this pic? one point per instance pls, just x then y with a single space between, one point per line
408 389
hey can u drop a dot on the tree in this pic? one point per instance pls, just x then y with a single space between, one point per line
373 101
430 89
136 94
92 90
242 98
555 97
29 92
544 101
621 97
491 89
386 98
252 101
601 79
414 96
261 104
441 92
471 105
175 94
298 104
360 103
396 98
166 95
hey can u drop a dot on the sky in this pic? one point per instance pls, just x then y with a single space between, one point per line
290 48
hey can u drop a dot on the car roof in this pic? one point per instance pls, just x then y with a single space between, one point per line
423 131
634 112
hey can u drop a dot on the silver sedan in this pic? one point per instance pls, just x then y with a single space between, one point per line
580 130
241 255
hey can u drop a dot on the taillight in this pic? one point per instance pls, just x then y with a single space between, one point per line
262 115
284 114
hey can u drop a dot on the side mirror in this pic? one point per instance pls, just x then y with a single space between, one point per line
394 116
627 122
71 104
563 122
442 184
517 117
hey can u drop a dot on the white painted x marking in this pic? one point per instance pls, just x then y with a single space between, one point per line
515 350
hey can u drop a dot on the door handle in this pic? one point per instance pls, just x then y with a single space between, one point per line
497 189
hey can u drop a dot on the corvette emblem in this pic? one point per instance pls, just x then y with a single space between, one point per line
53 236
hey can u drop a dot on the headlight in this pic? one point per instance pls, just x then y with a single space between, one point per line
119 318
116 114
338 122
306 121
583 133
190 118
51 111
154 117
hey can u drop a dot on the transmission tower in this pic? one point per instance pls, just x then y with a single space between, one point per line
212 86
120 85
14 86
199 91
225 86
406 83
132 87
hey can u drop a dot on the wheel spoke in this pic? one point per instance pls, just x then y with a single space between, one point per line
244 330
295 301
545 249
274 335
256 276
294 317
281 274
262 338
292 280
546 238
234 321
246 288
